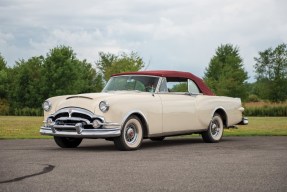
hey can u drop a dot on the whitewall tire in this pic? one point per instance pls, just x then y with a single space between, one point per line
215 130
131 135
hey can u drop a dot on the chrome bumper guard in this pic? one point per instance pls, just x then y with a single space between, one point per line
244 121
77 130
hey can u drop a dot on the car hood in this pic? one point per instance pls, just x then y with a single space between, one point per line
89 101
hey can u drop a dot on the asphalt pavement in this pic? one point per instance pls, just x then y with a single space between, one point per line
175 164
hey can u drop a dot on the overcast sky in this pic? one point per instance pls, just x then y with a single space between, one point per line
168 34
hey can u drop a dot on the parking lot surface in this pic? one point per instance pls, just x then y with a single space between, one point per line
175 164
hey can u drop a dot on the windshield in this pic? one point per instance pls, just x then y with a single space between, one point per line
132 83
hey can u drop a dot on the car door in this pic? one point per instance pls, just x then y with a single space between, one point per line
178 105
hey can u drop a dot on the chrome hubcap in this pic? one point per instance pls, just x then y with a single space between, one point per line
131 133
215 128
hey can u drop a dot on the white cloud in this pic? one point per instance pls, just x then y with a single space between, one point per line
5 38
176 35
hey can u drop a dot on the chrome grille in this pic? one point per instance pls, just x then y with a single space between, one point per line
81 115
72 116
64 114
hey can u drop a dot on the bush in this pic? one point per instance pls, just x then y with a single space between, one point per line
271 111
26 111
4 107
253 98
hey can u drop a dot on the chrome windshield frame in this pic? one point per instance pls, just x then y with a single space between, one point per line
155 91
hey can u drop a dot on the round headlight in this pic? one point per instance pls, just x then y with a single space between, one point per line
104 106
47 105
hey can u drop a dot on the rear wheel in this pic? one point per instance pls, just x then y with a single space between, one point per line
67 142
131 136
215 130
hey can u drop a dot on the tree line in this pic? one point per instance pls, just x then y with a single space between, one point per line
226 75
28 83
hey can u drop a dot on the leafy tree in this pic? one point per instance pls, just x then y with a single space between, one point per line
271 73
24 87
65 74
111 64
60 73
27 86
3 63
3 77
225 74
99 83
4 105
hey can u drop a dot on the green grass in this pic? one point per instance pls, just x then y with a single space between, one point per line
21 127
261 126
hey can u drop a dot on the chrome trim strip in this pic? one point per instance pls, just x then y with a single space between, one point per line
79 96
176 133
158 85
106 125
73 119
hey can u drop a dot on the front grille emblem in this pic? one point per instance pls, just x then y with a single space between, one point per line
70 113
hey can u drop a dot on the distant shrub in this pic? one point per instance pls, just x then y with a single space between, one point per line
26 111
4 107
253 98
269 109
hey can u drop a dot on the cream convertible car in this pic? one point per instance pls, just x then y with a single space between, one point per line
138 105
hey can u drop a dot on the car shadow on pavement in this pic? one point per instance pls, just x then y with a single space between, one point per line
147 144
171 142
107 146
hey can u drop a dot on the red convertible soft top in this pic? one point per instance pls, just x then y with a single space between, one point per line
201 85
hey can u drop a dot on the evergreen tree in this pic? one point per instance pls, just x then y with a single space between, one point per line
225 74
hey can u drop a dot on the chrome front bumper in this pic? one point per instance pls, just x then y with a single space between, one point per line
78 122
80 132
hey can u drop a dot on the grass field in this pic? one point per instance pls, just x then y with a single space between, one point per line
21 127
260 126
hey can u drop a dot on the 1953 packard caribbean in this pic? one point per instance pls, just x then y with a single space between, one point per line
138 105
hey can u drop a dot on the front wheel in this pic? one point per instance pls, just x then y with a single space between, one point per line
131 136
215 130
67 142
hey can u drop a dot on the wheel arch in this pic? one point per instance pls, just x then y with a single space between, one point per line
223 115
143 120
